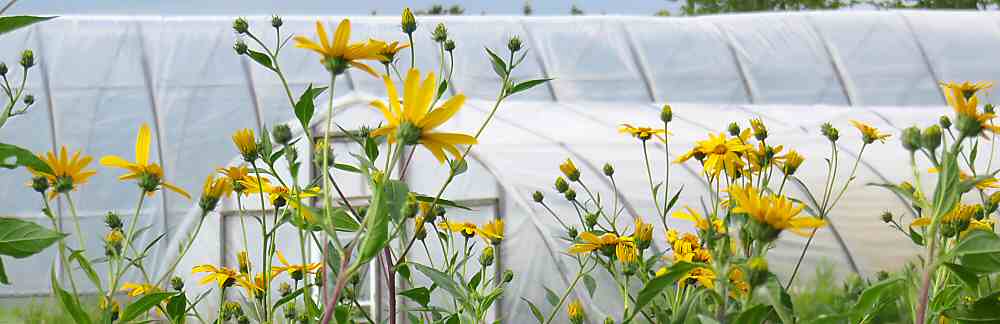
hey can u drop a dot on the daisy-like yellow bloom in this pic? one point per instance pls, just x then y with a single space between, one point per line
492 232
114 236
243 260
148 174
236 174
387 51
960 213
738 281
136 289
962 98
643 133
791 162
759 130
66 173
703 276
224 277
624 247
413 120
574 311
341 53
986 224
256 286
687 248
869 134
763 156
778 212
216 187
720 152
468 229
280 195
297 271
700 222
643 233
246 143
984 184
626 251
569 169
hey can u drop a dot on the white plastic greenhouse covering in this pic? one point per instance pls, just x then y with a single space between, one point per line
100 77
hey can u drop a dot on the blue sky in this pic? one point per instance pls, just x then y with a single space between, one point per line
332 7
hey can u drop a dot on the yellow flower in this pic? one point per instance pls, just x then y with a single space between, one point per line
114 236
341 53
720 153
135 289
626 250
256 286
149 174
387 51
762 156
672 236
962 98
700 222
213 190
759 130
570 170
413 120
467 229
575 311
869 134
688 248
236 174
738 282
703 276
243 259
643 231
492 232
624 247
643 133
776 211
791 162
280 195
66 173
987 183
225 277
246 143
986 224
297 271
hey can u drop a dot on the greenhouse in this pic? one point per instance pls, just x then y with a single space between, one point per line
97 79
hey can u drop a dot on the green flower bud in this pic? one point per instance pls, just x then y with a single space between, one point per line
29 99
514 44
608 169
64 184
911 138
537 196
440 33
570 195
734 129
590 220
113 221
240 47
27 59
945 122
241 26
276 21
666 114
907 186
449 45
968 126
40 184
830 132
282 134
609 320
881 275
284 289
486 257
231 310
572 233
989 108
176 283
409 23
319 279
887 217
508 276
931 138
3 68
561 185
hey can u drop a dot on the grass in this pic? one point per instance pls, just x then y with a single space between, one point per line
38 310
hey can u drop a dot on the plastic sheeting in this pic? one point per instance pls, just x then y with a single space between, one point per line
100 77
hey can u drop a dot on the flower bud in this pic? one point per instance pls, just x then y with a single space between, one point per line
409 23
989 108
608 169
734 129
282 134
27 59
569 169
995 197
590 219
907 186
243 260
240 47
514 44
945 122
537 196
40 184
319 279
276 21
284 289
241 26
3 68
29 99
887 217
759 130
486 257
830 132
881 275
440 33
570 194
572 233
176 283
968 126
931 137
449 45
113 221
243 319
911 138
290 311
666 114
561 185
508 276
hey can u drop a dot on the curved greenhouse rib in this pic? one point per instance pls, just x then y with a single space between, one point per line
539 59
748 84
923 52
147 78
846 86
252 91
639 62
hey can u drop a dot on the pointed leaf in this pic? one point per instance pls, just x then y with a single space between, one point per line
21 239
69 302
527 85
534 310
498 64
12 156
305 107
12 23
421 295
260 58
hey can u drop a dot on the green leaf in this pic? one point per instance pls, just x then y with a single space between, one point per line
916 237
340 221
673 200
177 308
945 191
3 274
69 302
421 295
984 310
440 201
286 299
590 283
534 310
551 296
86 266
441 88
706 320
498 64
444 281
143 305
978 242
371 148
657 285
778 298
346 167
305 107
527 85
21 239
260 58
12 156
983 263
387 194
754 315
967 276
872 296
12 23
